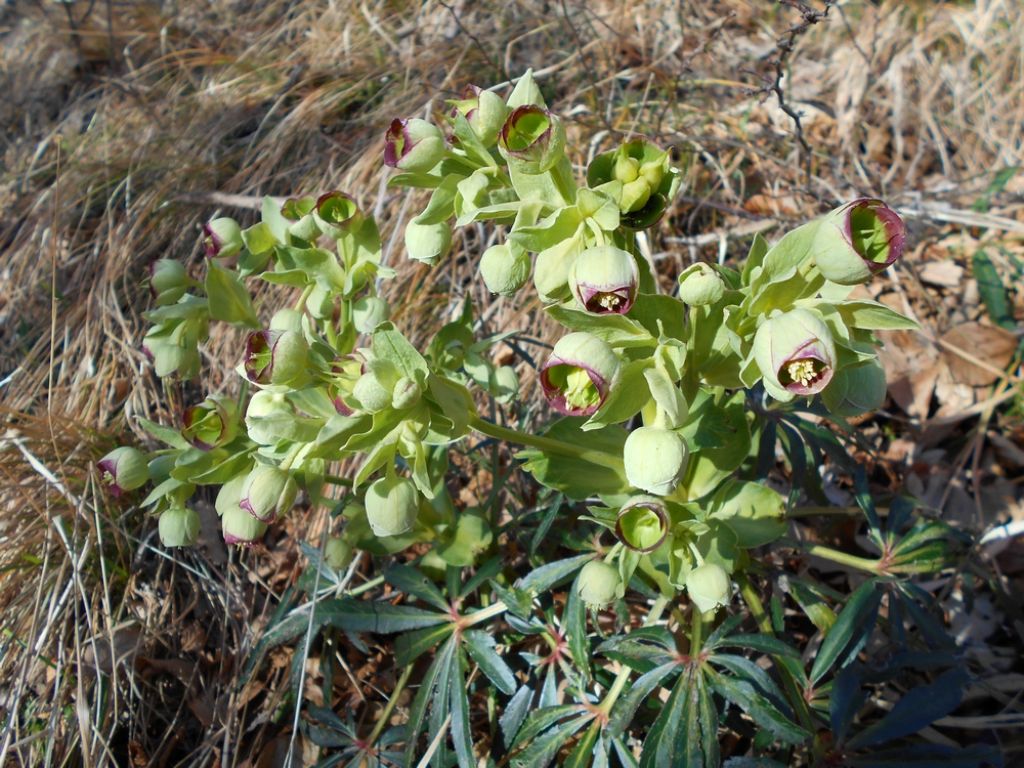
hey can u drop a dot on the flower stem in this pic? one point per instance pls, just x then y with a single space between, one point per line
842 558
546 444
623 677
483 614
382 721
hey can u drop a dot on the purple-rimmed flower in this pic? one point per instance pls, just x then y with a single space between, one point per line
578 375
268 493
222 238
413 145
796 354
241 528
275 357
123 469
485 111
642 523
210 424
858 240
337 213
532 140
604 280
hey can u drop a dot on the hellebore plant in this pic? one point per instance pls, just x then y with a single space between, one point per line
664 414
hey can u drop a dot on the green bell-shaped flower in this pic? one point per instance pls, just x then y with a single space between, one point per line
577 377
642 523
427 242
605 280
222 238
655 459
268 493
858 240
532 140
599 584
708 586
505 269
413 145
239 527
123 469
168 281
178 527
700 285
211 424
795 353
338 553
276 358
391 506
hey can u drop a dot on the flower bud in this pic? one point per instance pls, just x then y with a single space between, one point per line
648 181
391 506
168 281
286 320
856 389
374 389
178 527
604 280
532 140
239 527
211 424
299 211
223 238
338 553
427 242
123 469
642 523
655 459
276 357
268 492
413 145
577 376
505 269
858 240
795 353
708 586
700 285
485 111
369 312
599 584
405 394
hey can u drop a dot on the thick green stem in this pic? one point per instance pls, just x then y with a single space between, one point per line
623 677
842 558
696 630
544 443
483 614
385 716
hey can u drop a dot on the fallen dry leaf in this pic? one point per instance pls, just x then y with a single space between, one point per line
942 273
987 343
911 365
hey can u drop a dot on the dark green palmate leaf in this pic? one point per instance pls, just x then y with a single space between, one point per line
685 735
850 632
763 711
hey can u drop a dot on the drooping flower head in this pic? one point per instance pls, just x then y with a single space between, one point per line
796 354
605 280
577 377
222 238
642 523
858 240
123 469
413 145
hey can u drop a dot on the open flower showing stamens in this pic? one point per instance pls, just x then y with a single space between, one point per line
413 145
796 354
604 280
577 376
532 140
858 240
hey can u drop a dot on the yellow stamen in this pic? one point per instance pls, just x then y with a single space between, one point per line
609 301
801 371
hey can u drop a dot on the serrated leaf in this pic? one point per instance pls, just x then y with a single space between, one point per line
515 713
550 574
760 709
581 753
412 645
668 743
480 646
540 720
845 701
424 696
574 624
850 631
412 582
378 617
763 643
461 731
542 750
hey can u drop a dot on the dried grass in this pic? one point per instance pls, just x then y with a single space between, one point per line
124 128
